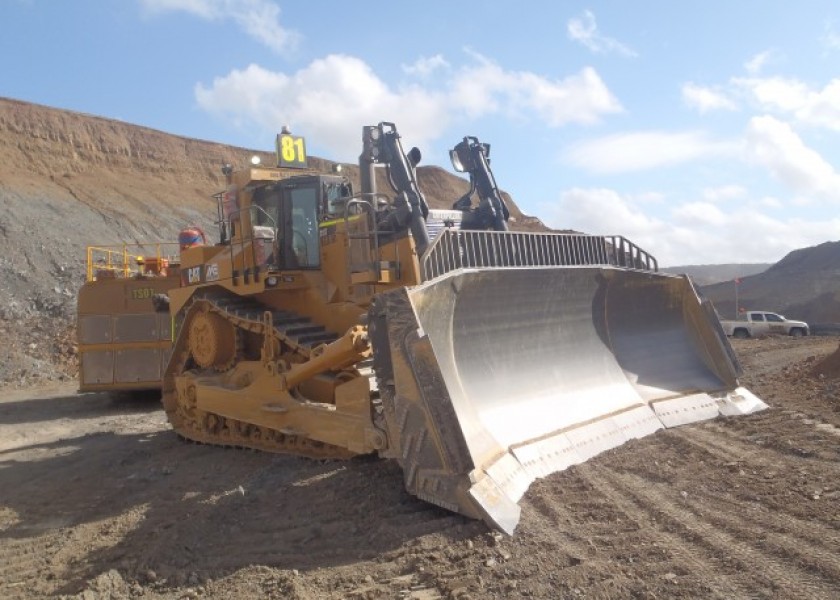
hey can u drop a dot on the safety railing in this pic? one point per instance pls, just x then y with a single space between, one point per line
365 234
457 249
129 260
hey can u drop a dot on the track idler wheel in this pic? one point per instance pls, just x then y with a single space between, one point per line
212 341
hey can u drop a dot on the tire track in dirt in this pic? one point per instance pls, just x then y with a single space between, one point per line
779 522
764 567
22 562
294 514
549 513
705 565
812 550
173 541
731 449
76 495
69 521
728 443
810 543
815 422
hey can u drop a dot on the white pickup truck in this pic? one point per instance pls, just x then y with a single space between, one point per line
759 322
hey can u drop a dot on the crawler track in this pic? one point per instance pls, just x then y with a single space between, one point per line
297 334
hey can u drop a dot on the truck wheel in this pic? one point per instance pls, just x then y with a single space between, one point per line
741 334
797 332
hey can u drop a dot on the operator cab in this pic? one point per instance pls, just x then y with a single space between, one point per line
288 212
283 213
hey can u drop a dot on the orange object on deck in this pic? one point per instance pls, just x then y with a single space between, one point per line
153 265
191 236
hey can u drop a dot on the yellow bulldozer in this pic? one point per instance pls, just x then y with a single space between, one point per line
331 323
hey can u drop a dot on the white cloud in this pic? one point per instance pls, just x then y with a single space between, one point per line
626 152
606 212
584 29
724 193
705 99
758 62
331 100
774 145
206 9
334 96
697 215
776 93
258 18
767 202
648 197
423 67
484 87
691 232
790 96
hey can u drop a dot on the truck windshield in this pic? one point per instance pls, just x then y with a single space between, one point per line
774 318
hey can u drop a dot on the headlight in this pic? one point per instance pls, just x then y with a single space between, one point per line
456 161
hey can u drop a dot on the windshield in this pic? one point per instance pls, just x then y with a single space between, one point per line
303 203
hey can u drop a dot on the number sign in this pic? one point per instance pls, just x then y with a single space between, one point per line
291 151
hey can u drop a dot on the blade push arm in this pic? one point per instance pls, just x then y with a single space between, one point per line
472 157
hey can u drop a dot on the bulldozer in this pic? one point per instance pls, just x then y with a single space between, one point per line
332 323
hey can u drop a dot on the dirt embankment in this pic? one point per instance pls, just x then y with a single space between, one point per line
99 499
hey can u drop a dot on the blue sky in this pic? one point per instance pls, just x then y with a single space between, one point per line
705 132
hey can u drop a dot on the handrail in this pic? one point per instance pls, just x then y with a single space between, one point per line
456 249
126 260
366 202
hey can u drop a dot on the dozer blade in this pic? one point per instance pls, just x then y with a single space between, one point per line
492 378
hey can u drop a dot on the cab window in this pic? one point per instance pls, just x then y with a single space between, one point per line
268 214
302 248
336 196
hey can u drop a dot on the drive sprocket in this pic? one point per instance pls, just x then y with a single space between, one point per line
212 341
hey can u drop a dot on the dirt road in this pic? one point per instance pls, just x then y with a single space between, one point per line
99 499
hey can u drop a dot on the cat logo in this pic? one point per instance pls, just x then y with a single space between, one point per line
211 272
193 275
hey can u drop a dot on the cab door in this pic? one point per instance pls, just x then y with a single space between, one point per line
300 243
775 323
759 324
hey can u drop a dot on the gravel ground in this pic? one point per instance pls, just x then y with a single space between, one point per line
100 499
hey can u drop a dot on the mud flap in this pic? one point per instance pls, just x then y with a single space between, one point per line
495 377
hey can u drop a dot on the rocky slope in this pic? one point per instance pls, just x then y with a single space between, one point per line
70 180
804 285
